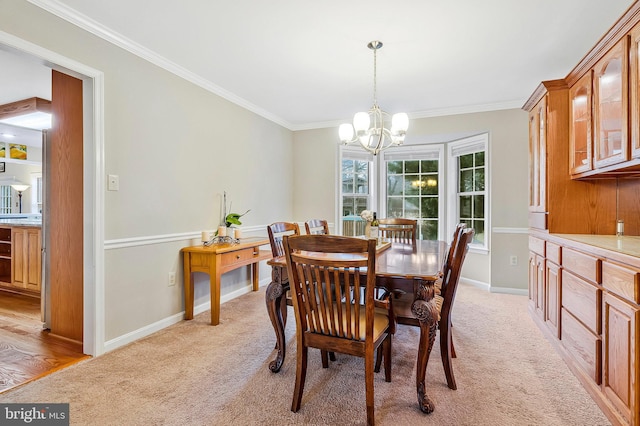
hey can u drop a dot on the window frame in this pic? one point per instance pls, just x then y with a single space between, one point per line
456 149
355 153
414 152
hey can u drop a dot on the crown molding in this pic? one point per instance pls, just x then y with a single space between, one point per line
82 21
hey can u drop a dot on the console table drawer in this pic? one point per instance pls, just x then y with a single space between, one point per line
583 300
586 266
239 256
622 281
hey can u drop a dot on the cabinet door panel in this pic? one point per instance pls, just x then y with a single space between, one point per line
634 66
620 375
552 309
582 299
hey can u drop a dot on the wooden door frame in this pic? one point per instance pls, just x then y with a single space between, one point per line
94 178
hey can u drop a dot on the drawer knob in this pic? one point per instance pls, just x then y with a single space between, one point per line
237 256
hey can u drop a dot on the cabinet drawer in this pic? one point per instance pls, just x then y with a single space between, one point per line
581 264
583 346
536 245
238 256
622 281
553 253
583 300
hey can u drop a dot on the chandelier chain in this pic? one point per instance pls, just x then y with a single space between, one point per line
375 73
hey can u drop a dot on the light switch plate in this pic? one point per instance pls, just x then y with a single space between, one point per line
113 183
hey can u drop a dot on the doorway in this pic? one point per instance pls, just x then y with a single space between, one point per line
91 308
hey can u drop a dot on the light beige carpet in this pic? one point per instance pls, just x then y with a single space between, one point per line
196 374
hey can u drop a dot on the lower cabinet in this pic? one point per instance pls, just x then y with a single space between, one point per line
26 259
21 259
590 307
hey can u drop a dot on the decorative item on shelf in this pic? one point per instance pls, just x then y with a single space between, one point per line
375 130
227 232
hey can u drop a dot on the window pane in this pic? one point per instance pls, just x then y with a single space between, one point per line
428 229
429 207
466 161
478 226
362 177
412 207
479 179
430 186
478 206
479 157
429 166
465 206
394 185
394 167
412 166
394 207
466 181
412 184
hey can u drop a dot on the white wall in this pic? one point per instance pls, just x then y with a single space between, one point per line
175 147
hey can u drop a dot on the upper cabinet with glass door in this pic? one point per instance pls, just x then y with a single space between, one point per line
580 125
634 59
610 107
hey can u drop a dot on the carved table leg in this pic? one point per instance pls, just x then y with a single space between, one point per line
425 310
275 296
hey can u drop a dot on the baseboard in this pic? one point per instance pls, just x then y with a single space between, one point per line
132 336
487 287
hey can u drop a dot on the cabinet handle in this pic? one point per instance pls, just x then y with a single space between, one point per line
255 253
237 256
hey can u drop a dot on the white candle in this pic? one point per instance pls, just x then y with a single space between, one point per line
222 231
238 233
205 236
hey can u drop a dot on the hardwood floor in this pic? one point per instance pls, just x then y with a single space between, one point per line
28 352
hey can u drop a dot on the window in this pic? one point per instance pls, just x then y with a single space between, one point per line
5 199
468 156
356 190
413 187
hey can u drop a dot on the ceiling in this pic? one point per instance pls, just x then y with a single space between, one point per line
305 64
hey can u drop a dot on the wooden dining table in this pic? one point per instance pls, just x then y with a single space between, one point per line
400 268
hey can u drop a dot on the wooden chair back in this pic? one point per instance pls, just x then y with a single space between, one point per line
332 281
452 269
317 226
399 230
454 242
278 230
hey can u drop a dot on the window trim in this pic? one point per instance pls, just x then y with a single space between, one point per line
455 149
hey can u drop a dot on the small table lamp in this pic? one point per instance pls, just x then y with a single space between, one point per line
20 187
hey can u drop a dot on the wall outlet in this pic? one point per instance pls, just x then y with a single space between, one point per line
513 260
172 279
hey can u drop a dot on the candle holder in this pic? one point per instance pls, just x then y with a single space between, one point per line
221 240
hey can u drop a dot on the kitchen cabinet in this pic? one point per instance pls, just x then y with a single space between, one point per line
610 91
580 141
634 89
20 259
553 284
5 257
26 259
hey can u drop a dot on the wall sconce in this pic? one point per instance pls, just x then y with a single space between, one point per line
20 187
32 113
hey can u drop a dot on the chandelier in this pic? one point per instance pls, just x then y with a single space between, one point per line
375 130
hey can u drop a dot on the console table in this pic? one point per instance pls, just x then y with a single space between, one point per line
217 259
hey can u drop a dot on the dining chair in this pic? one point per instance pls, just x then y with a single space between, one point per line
277 231
399 230
317 226
444 301
332 282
